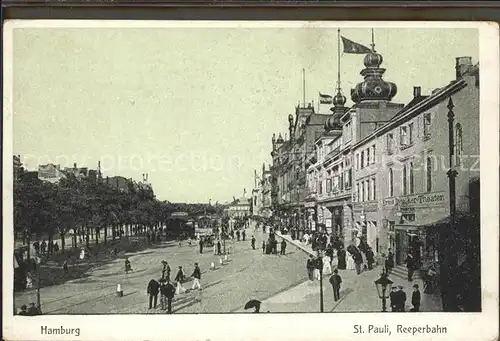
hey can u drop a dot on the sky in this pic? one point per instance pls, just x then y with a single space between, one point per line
196 108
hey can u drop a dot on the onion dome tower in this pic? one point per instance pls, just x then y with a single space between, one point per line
339 100
373 87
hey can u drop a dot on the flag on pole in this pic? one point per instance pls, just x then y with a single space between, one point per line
325 99
353 47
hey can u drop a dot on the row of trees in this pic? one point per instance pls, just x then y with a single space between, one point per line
82 206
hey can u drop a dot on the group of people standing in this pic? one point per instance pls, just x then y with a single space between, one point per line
167 288
398 299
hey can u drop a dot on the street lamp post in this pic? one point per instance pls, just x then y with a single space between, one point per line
321 307
381 285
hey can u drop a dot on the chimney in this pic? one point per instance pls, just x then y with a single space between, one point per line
74 165
462 65
417 91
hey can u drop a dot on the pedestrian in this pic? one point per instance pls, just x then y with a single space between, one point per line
56 247
201 245
189 241
196 277
219 247
128 266
165 272
23 310
415 298
410 266
370 258
283 247
253 242
336 281
263 246
65 266
318 267
389 262
327 265
44 246
310 267
215 247
358 261
341 263
168 291
32 310
152 291
401 301
393 296
179 278
243 234
238 235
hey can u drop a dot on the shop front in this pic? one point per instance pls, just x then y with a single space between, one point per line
366 222
414 218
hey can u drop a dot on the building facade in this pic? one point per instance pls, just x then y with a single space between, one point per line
379 170
17 167
289 188
50 173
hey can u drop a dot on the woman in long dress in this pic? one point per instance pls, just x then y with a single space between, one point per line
335 259
327 266
350 262
179 278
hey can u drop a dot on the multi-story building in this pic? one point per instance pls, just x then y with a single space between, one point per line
380 171
261 194
289 188
50 173
17 167
77 172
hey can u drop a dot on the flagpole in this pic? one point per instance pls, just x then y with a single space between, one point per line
338 57
304 87
373 42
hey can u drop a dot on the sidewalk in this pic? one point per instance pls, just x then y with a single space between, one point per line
358 294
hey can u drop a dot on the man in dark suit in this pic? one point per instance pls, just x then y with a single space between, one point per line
336 281
394 298
415 298
152 291
167 294
310 267
283 247
401 301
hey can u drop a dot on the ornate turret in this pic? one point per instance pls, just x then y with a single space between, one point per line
338 109
373 87
280 139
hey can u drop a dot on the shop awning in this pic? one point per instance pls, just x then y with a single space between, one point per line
428 222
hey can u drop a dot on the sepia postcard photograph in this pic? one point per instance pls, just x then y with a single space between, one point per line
200 180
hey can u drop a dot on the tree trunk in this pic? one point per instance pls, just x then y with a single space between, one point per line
105 234
62 235
28 239
50 246
97 230
87 239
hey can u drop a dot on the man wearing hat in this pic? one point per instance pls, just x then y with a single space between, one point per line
24 309
415 298
394 298
401 299
196 277
167 291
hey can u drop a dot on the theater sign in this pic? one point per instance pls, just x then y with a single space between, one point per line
422 200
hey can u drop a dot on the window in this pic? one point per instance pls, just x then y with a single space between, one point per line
356 198
410 133
390 143
328 185
367 157
362 159
357 161
374 190
349 178
368 191
373 154
321 187
458 144
403 136
404 180
427 125
429 174
361 197
391 183
411 179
